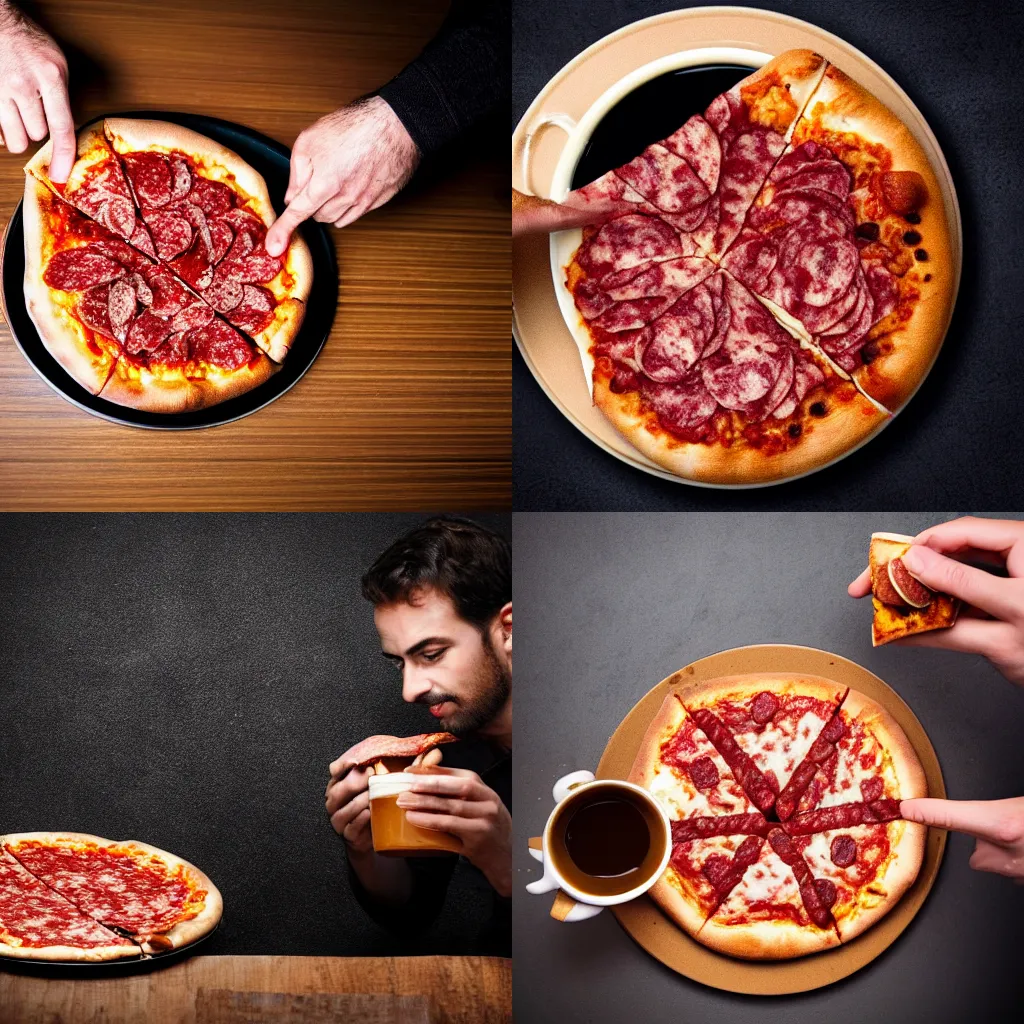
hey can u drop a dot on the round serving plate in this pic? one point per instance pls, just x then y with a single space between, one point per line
271 159
644 921
553 136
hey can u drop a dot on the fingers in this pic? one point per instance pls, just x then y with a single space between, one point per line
989 857
997 821
960 535
62 132
533 215
301 172
992 594
441 771
15 137
32 117
970 635
445 805
341 791
444 822
298 210
861 586
345 815
431 757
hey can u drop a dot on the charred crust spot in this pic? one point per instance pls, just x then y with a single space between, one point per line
817 409
912 238
795 430
869 352
921 255
927 277
912 218
868 230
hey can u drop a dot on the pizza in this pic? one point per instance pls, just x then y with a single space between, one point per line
146 274
381 748
70 896
902 604
784 795
776 284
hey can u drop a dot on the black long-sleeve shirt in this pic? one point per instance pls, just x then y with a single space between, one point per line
461 77
431 875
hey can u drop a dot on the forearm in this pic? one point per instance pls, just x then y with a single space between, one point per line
387 880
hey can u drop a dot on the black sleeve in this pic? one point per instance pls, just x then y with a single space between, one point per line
460 78
430 878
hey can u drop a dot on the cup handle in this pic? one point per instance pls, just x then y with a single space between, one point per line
563 121
565 908
567 783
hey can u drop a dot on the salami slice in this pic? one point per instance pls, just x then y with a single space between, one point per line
687 829
680 407
843 851
172 353
747 774
146 333
628 242
195 216
121 305
824 270
172 233
764 707
255 311
258 267
74 270
169 294
224 293
193 267
697 144
212 197
243 245
118 214
219 345
666 180
244 220
143 292
198 314
181 180
824 819
703 773
677 338
91 308
150 176
806 377
222 238
117 250
142 239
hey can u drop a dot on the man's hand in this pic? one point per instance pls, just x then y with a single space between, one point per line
349 162
34 91
348 806
997 825
992 624
455 800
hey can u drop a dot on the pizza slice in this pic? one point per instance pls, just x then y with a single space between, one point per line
208 212
158 900
902 604
853 835
37 923
715 389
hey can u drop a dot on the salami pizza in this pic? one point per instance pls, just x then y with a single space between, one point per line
146 273
902 605
776 283
71 896
784 795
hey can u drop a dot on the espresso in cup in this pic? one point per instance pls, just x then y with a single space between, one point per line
607 840
392 833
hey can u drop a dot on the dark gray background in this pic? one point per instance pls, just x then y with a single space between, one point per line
185 680
959 62
611 604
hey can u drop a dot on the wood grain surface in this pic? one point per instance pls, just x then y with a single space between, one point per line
460 990
409 404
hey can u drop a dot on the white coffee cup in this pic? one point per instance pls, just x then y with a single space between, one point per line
589 904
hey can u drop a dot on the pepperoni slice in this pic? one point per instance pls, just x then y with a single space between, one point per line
212 197
172 233
843 851
146 333
826 892
763 707
198 314
243 245
829 268
678 337
680 407
222 238
172 353
118 214
716 869
871 789
244 220
91 308
142 290
181 180
220 345
169 294
117 250
628 242
703 773
258 267
150 176
74 270
224 294
255 311
121 304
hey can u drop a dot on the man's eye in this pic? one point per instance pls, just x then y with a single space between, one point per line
433 655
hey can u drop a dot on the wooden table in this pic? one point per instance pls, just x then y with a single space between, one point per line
460 990
409 404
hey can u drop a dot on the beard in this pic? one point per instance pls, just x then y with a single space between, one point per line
491 687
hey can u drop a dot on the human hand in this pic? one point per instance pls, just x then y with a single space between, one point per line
349 162
348 805
34 91
457 801
997 825
533 215
992 624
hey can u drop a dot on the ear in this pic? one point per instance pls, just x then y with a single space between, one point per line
505 618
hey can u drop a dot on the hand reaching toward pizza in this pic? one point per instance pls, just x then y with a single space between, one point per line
456 800
532 215
997 825
994 624
34 91
349 162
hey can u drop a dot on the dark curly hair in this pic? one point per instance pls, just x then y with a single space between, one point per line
460 558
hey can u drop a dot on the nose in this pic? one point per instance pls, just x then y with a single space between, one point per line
413 686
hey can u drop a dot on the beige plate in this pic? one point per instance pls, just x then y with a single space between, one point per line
650 928
537 322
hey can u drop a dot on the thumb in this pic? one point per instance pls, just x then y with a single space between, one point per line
983 819
975 586
281 230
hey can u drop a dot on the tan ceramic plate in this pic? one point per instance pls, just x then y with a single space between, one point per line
652 930
538 323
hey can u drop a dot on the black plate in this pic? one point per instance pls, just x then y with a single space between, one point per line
652 112
126 965
271 159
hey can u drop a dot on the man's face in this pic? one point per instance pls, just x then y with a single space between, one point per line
445 661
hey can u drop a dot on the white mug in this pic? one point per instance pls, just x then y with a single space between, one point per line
587 904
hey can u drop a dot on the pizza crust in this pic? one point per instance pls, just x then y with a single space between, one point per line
87 954
847 425
743 687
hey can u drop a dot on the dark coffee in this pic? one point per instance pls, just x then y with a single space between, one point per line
607 840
